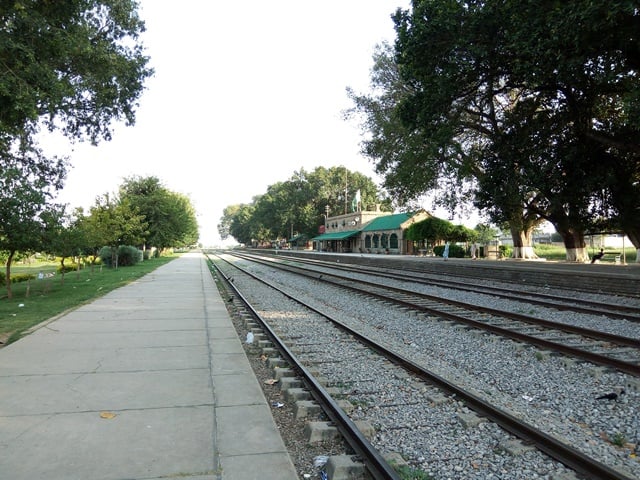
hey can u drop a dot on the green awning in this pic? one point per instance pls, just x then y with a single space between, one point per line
297 237
336 235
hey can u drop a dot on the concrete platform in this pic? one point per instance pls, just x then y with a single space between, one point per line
149 381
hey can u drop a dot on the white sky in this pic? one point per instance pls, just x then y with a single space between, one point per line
245 93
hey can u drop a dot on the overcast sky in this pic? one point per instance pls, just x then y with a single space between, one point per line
244 94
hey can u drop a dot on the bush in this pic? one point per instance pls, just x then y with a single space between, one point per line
506 251
455 251
127 256
68 267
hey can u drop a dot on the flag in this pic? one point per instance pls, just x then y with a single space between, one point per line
355 203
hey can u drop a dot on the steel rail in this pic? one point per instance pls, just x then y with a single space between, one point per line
377 466
623 312
376 291
565 454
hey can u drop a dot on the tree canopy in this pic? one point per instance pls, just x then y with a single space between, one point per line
298 205
170 216
75 66
27 187
531 107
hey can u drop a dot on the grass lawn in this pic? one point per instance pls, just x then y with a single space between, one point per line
558 252
38 300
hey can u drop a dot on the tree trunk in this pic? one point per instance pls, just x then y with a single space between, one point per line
574 243
62 271
8 273
634 236
522 244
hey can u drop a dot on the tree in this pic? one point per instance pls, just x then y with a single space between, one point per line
64 237
408 164
27 184
298 205
434 230
561 78
115 222
584 57
170 217
224 227
75 65
440 145
241 224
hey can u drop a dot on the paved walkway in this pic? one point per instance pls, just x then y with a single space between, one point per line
149 381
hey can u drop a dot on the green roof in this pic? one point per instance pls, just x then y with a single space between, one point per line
301 236
387 222
336 235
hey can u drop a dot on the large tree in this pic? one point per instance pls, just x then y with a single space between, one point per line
584 57
429 139
27 185
114 222
486 73
298 205
75 66
170 216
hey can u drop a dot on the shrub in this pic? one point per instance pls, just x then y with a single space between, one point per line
455 251
127 255
506 251
22 277
68 267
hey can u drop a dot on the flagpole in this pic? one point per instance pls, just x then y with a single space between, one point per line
346 194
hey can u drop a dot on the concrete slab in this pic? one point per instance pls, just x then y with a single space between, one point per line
238 389
274 466
49 361
247 430
226 346
46 394
231 363
135 444
134 326
161 360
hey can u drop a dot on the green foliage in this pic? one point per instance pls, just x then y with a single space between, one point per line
487 96
434 229
67 268
505 251
619 439
128 255
406 472
16 278
170 217
298 205
75 65
455 251
124 255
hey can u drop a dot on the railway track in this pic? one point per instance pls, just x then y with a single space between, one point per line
516 426
610 280
598 347
559 302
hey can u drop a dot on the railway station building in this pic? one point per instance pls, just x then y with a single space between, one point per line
368 232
